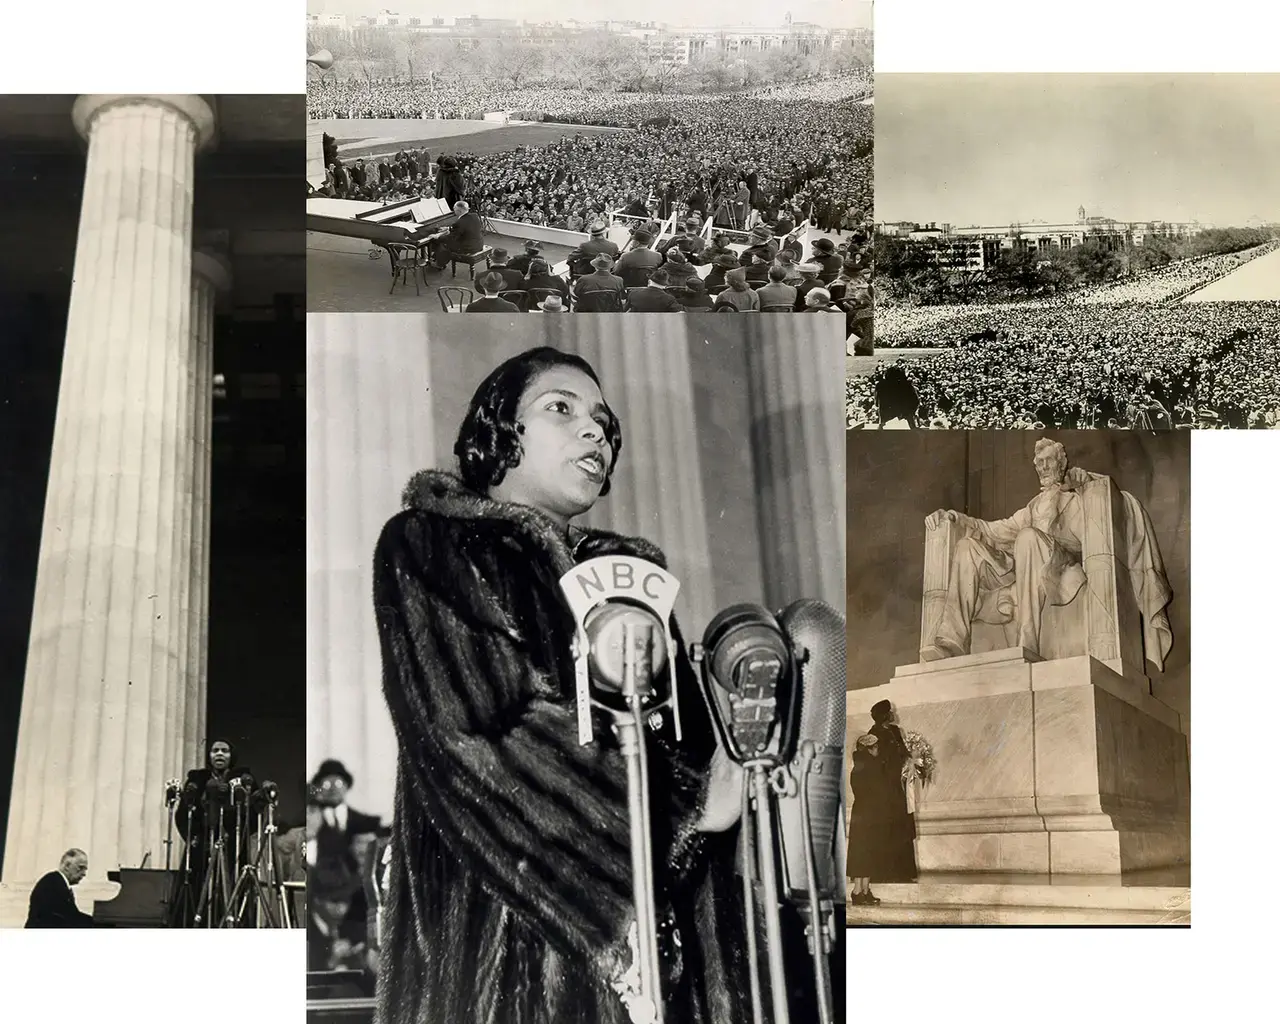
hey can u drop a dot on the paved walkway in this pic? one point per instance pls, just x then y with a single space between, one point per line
1257 281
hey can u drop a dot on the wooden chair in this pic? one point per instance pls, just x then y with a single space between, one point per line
536 295
405 260
599 302
778 307
470 259
519 296
465 296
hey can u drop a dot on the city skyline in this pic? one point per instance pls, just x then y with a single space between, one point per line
832 14
993 149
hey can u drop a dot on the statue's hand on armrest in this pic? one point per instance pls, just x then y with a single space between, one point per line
943 515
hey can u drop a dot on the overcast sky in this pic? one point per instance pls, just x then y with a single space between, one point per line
828 13
991 149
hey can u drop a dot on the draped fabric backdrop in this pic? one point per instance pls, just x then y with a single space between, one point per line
732 462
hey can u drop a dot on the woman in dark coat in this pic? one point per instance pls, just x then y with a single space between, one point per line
899 861
510 894
866 779
204 790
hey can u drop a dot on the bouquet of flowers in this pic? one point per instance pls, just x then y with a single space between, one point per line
920 763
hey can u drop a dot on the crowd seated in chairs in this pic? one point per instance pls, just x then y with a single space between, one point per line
647 279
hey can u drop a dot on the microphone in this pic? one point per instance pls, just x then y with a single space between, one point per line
746 653
614 597
809 808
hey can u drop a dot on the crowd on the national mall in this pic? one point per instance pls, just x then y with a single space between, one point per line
1138 366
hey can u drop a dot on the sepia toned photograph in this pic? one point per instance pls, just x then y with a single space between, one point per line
152 703
1074 251
513 159
1019 678
575 668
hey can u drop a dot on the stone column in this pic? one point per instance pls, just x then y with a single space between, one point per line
644 369
95 733
797 439
209 275
370 427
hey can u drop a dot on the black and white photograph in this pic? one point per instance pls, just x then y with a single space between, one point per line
575 669
1074 251
507 157
1019 678
152 700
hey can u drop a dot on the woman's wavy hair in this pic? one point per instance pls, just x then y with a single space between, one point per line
488 441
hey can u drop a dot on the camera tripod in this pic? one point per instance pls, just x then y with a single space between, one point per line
251 892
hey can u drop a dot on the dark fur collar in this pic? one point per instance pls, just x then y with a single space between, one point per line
445 495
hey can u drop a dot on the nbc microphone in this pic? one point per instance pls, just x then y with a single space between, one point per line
623 651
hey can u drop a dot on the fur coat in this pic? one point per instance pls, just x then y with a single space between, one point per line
510 892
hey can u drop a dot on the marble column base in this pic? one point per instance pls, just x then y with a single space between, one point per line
1064 766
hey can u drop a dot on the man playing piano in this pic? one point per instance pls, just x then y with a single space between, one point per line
466 236
53 904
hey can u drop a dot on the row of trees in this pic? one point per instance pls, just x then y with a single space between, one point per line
597 61
909 271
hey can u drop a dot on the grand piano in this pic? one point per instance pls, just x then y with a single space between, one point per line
407 222
142 902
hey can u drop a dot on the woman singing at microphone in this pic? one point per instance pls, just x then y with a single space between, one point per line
511 895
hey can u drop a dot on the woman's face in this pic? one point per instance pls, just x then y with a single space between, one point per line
565 458
220 755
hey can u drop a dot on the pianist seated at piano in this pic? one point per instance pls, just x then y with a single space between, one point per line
53 902
465 236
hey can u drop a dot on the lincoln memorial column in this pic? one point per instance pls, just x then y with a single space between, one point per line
96 736
797 443
656 491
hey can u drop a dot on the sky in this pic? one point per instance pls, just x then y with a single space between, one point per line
992 149
828 13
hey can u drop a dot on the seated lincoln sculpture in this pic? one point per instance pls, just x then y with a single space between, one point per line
1006 571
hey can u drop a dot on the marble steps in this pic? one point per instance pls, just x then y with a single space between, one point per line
1027 904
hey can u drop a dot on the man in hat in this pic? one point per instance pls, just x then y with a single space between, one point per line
694 294
666 244
553 304
678 268
808 282
540 276
512 279
490 284
654 297
600 279
762 245
583 257
692 244
787 261
721 265
634 266
337 858
532 251
829 262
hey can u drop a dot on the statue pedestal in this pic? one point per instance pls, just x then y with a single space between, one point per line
1059 767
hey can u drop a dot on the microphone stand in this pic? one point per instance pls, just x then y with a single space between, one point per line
629 728
758 770
819 915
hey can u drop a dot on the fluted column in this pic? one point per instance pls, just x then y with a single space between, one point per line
209 276
796 379
95 732
646 377
369 428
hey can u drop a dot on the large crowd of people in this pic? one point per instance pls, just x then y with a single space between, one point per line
332 98
1173 281
1117 366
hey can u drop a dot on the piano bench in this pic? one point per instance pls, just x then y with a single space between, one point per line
470 259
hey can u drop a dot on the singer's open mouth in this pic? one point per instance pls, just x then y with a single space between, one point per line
592 465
